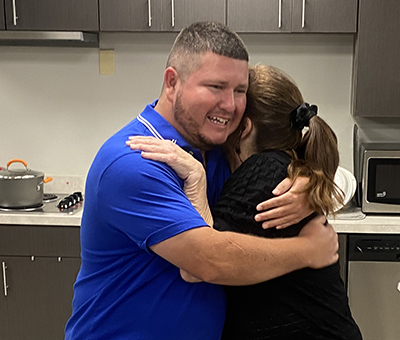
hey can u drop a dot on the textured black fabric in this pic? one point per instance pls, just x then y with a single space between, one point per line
306 304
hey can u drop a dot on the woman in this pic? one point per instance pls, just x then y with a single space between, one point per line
268 146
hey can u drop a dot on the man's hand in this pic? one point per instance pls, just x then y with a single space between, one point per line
323 243
288 208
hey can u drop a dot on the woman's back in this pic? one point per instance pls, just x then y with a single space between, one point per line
305 304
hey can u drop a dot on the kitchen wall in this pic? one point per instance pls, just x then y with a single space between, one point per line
56 109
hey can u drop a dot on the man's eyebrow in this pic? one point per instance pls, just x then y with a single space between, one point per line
243 86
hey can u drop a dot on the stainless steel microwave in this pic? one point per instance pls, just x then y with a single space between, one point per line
380 175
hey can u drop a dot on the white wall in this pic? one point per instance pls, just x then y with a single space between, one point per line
56 109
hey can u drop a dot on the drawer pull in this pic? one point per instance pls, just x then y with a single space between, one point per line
4 267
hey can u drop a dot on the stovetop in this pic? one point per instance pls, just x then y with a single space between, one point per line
52 203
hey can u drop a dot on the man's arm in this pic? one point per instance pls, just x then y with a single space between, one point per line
237 259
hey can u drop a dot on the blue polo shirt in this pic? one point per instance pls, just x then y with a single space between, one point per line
124 290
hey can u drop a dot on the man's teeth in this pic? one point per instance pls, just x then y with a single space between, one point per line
218 120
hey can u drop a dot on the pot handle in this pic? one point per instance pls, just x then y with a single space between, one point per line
17 160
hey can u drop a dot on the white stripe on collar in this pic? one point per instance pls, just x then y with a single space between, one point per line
151 128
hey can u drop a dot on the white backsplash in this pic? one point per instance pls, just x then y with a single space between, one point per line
65 184
56 110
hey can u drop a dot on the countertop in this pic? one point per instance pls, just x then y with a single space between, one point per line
33 218
348 220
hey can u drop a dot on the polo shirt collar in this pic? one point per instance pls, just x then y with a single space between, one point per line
160 128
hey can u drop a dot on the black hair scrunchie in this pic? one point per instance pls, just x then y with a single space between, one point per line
301 116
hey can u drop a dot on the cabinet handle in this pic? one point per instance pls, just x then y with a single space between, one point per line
14 13
303 14
280 14
149 2
173 13
4 267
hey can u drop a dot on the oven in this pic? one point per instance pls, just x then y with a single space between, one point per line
374 284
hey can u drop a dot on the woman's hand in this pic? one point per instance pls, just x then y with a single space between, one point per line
289 207
186 167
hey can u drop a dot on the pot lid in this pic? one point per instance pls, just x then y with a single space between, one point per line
24 173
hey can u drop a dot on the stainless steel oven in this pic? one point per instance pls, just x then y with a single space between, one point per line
374 285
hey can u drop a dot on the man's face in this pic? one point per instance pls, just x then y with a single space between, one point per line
210 103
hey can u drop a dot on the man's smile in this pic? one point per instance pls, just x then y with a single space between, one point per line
218 120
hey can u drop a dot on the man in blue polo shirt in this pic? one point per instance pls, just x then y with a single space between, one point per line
139 229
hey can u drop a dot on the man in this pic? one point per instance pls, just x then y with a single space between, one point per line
139 229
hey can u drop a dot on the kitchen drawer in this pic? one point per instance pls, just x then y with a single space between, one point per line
60 241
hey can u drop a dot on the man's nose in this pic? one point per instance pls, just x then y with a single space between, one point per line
228 102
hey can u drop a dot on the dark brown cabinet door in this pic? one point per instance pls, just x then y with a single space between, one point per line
259 15
130 15
327 16
182 13
52 15
157 15
36 296
2 18
377 60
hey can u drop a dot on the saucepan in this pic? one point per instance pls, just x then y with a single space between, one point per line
21 188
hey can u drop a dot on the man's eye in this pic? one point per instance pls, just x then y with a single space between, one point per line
241 91
217 87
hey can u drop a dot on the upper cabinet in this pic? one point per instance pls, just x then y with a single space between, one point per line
316 16
259 15
338 16
377 60
2 23
51 15
157 15
186 12
130 15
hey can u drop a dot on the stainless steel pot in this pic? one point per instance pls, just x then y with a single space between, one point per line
21 188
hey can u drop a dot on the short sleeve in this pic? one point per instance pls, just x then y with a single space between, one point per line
144 200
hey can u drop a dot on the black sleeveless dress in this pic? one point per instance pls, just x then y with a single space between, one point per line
306 304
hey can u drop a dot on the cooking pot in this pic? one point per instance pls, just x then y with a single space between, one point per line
21 188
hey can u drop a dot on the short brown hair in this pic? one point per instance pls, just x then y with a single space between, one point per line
202 37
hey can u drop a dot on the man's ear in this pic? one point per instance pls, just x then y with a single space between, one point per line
171 80
248 126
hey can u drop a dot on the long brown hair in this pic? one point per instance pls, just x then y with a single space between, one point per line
273 100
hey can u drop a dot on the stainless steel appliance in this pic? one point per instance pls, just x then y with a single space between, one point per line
374 285
378 178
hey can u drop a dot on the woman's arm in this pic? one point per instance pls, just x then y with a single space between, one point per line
289 207
247 259
189 169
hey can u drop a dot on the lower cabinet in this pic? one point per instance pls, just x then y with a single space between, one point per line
37 290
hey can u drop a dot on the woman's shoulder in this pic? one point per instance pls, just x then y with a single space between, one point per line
266 160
